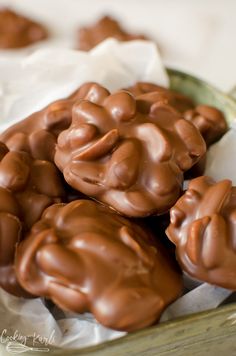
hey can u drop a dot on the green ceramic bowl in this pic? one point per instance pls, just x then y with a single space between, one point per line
208 333
202 92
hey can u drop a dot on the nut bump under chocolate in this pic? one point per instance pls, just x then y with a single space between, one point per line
150 93
209 120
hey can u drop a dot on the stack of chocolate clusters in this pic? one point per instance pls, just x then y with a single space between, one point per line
78 183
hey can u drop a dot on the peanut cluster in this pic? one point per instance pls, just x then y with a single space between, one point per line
18 31
27 187
86 258
130 159
209 121
89 37
149 94
203 228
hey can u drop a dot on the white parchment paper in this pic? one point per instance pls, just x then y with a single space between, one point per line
220 162
29 84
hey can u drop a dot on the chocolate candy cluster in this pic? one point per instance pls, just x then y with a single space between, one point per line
209 121
203 228
150 94
127 156
87 258
89 37
37 134
73 179
18 31
27 187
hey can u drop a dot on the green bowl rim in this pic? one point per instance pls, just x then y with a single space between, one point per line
227 96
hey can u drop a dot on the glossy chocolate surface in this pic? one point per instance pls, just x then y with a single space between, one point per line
209 121
18 31
150 93
36 184
85 257
89 37
203 228
143 88
126 154
37 134
10 235
212 125
27 187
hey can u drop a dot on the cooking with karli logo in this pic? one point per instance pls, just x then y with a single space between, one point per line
17 343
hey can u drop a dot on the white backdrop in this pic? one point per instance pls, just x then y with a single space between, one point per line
197 36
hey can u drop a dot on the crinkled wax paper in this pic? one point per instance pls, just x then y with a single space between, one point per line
31 83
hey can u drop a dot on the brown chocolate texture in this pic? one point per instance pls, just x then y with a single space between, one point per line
150 93
203 228
127 153
10 233
89 37
212 125
85 257
36 184
27 187
209 120
18 31
37 134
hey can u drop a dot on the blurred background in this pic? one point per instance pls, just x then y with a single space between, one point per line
197 36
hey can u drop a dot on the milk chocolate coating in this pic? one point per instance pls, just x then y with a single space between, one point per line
37 134
18 31
10 234
212 125
89 37
203 228
143 88
209 120
27 187
35 184
151 93
86 258
197 170
127 159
